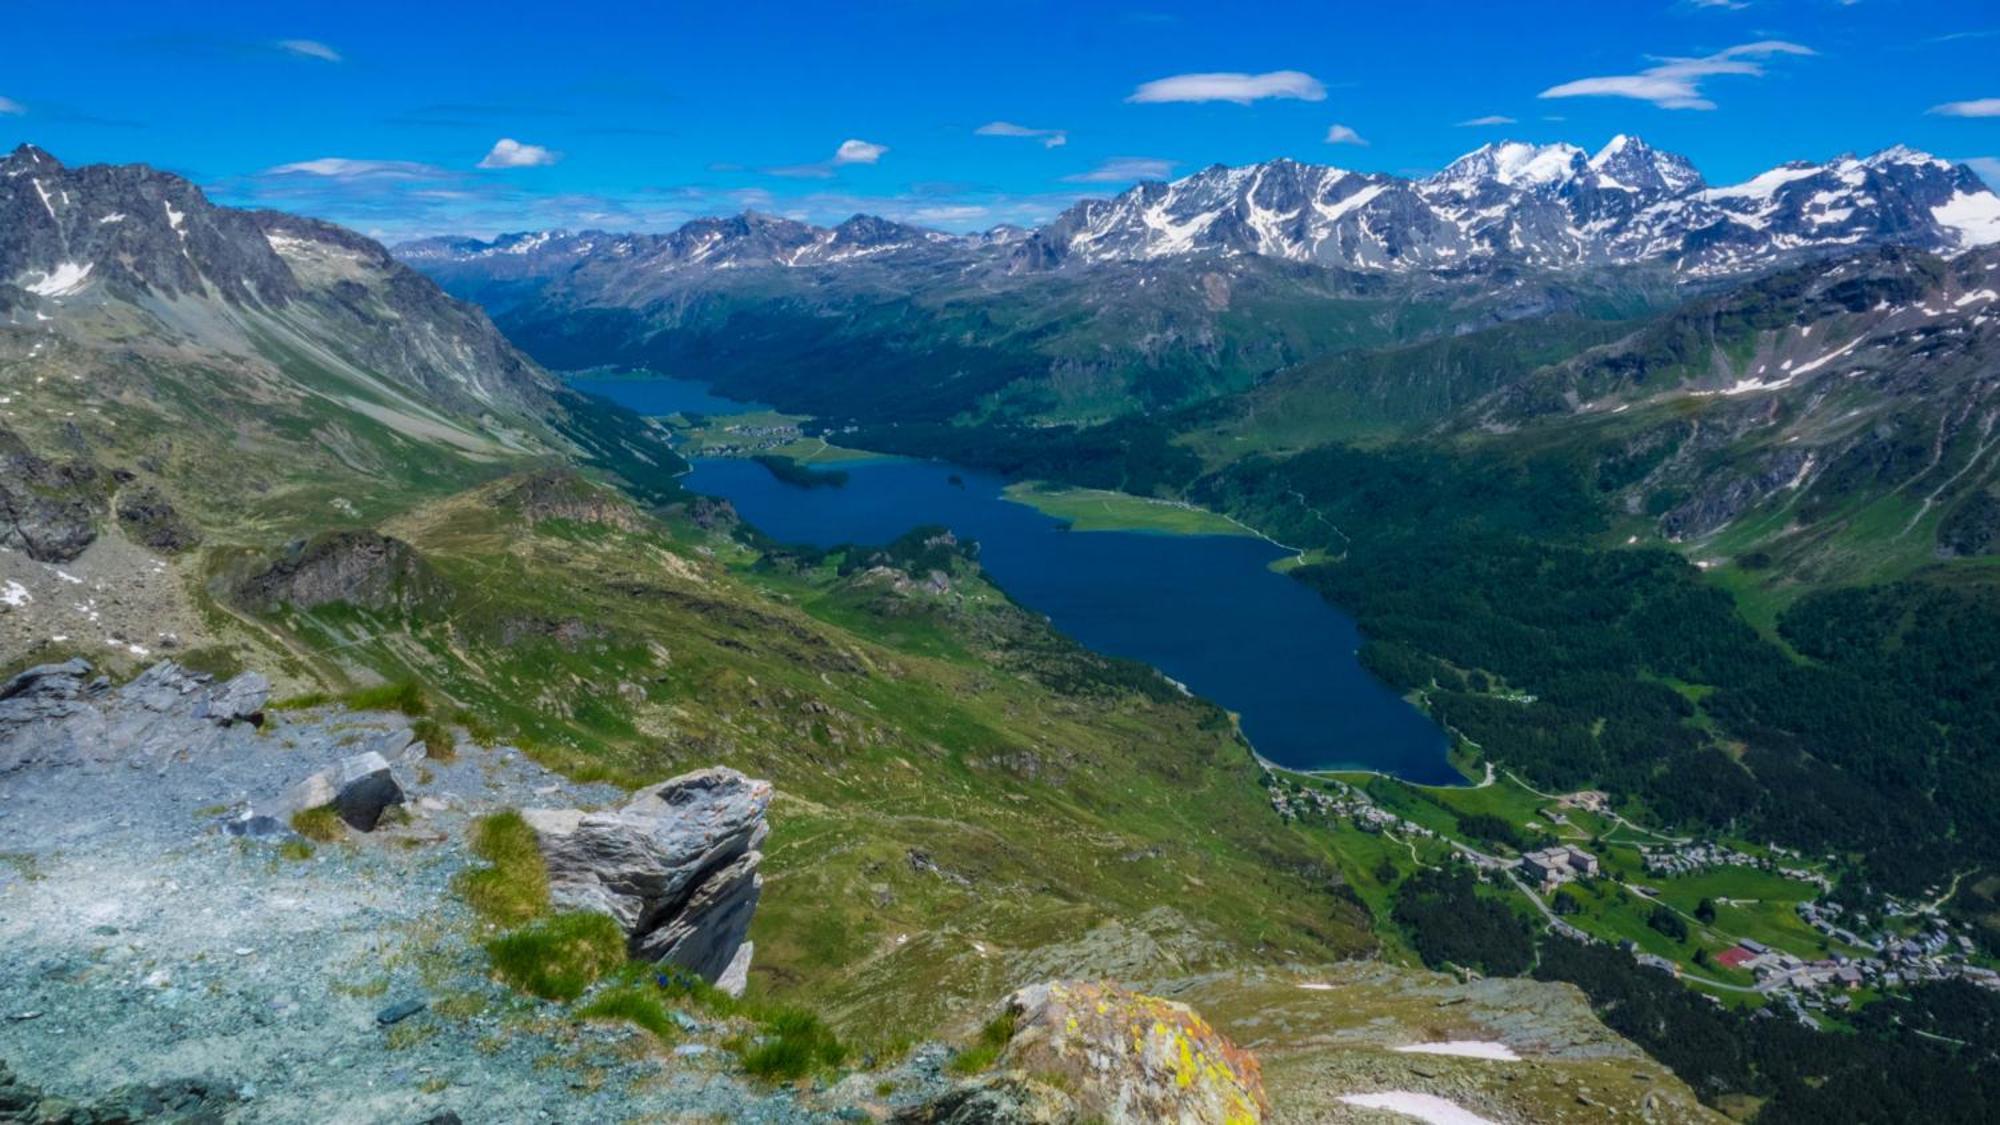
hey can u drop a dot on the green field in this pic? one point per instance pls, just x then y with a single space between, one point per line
1094 509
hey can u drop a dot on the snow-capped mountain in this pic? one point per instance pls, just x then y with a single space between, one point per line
1545 206
1509 205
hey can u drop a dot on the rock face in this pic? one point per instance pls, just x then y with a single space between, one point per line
676 866
1125 1057
360 568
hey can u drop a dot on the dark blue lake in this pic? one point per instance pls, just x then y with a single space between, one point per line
1204 609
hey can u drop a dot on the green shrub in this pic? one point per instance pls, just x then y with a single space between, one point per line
296 850
322 824
559 957
514 887
985 1051
792 1043
402 695
634 1004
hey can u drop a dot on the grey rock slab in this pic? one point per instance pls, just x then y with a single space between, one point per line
675 866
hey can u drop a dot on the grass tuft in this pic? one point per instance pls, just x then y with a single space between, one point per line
406 696
985 1051
514 887
439 745
322 824
634 1004
791 1044
559 957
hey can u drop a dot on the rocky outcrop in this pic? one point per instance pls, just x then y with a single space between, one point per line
360 568
676 867
47 508
1119 1056
183 1100
559 494
1003 1099
59 714
150 519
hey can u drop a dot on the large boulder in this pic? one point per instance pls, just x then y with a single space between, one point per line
676 867
360 788
1125 1057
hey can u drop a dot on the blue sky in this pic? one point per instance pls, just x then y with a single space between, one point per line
391 117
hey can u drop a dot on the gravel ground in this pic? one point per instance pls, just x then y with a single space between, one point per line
141 943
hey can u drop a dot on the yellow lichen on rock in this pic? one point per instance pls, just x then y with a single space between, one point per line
1129 1057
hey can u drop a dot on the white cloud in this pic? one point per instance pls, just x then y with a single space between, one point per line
11 107
309 49
1732 5
1489 119
858 152
1977 107
1123 169
1676 82
510 153
850 152
1988 169
1050 138
1342 135
344 168
1231 87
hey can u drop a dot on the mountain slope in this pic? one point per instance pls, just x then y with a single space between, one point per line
265 368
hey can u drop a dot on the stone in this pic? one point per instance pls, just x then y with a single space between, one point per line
363 788
359 788
399 1011
241 700
675 866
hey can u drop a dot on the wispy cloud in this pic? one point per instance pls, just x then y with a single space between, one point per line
1729 5
851 151
12 108
1977 107
1489 119
309 49
1675 83
1231 87
1124 169
1342 135
1050 138
510 153
347 168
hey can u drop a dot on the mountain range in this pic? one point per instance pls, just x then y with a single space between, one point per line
1505 205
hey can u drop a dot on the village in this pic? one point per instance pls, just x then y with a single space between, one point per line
1808 954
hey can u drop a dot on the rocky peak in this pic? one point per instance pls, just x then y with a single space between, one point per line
1631 163
127 228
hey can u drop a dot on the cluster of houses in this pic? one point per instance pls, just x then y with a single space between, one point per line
751 438
1690 858
1293 801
